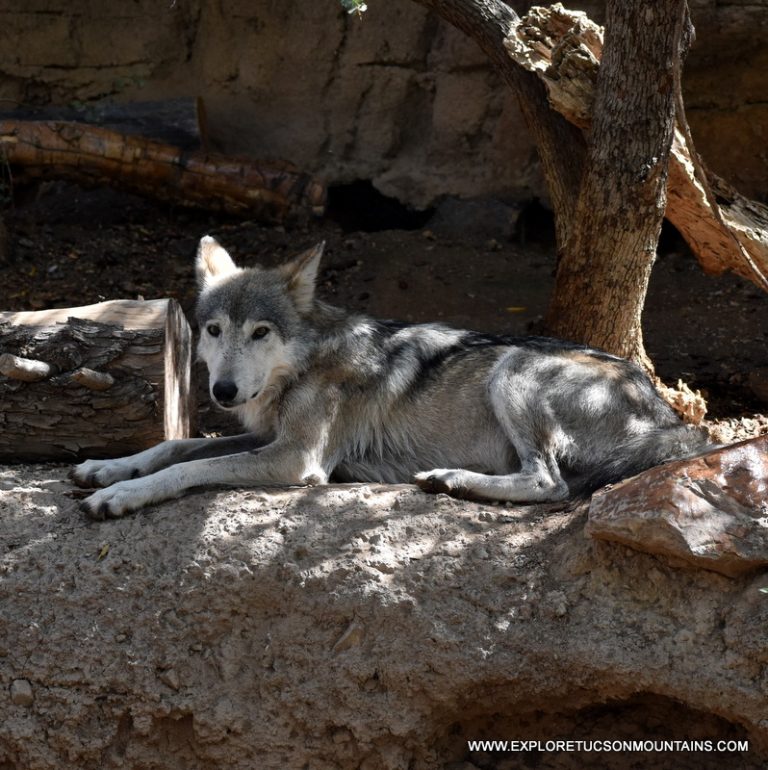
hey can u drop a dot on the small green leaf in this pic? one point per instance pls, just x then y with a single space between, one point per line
354 6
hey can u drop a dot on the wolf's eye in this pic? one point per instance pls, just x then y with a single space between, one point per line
213 329
259 332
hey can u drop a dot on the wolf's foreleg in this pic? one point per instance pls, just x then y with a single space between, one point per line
273 464
102 473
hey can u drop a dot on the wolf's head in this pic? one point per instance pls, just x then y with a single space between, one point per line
251 321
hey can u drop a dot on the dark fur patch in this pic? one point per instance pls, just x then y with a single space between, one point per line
431 360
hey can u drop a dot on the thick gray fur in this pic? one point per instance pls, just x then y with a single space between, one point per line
325 394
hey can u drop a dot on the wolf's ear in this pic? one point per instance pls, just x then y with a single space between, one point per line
301 274
213 263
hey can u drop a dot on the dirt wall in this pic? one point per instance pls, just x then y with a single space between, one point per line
397 96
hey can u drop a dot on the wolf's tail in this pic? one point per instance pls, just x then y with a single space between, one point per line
656 446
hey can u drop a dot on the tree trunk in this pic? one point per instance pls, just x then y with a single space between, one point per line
725 231
603 274
561 50
98 381
576 196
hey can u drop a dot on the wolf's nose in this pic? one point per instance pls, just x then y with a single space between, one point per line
224 391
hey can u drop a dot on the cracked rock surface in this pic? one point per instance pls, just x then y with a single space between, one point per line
711 511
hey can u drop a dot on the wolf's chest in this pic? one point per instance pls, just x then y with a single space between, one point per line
259 416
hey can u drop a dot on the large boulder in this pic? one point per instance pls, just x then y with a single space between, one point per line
710 511
364 627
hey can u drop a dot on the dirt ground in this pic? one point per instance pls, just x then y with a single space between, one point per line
73 247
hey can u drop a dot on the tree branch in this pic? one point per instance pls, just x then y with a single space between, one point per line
725 230
560 145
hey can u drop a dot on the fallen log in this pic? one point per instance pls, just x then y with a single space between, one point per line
98 381
726 231
269 191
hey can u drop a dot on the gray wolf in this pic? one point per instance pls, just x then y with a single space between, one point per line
327 394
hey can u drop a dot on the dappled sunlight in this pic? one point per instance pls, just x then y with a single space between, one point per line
31 509
596 398
388 535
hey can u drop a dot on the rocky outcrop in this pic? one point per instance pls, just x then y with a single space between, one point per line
364 627
397 96
711 512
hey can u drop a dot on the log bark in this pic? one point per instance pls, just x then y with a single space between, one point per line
725 230
97 381
270 191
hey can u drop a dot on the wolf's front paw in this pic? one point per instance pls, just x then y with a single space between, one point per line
102 473
115 501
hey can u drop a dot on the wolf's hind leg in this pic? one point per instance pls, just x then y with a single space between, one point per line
534 483
525 416
102 473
